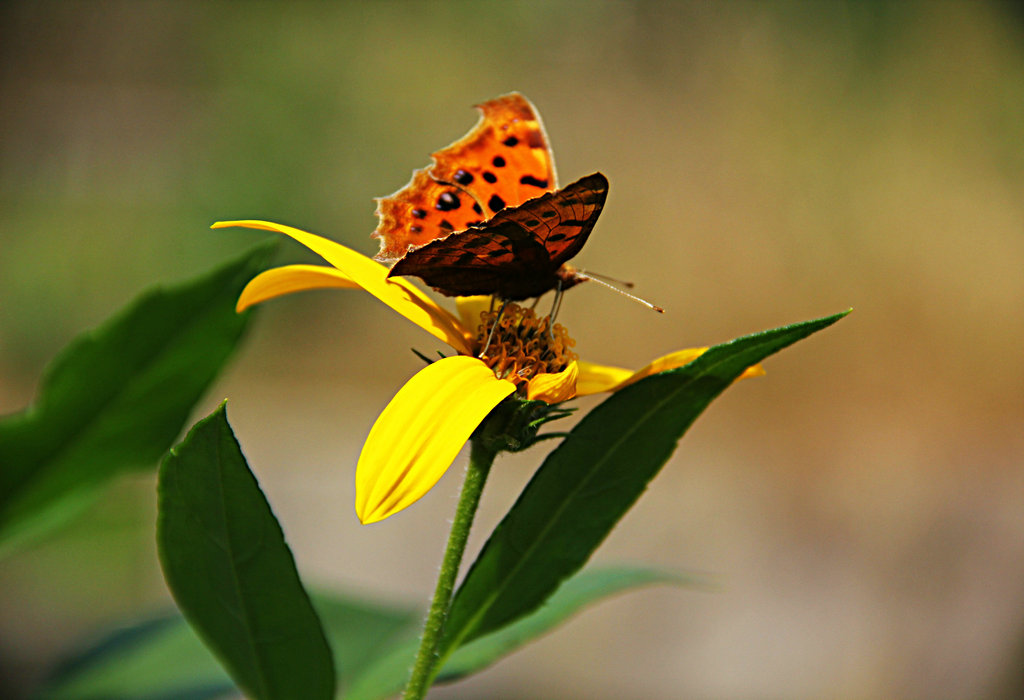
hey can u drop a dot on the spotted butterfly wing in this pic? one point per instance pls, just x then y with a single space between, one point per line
519 252
502 162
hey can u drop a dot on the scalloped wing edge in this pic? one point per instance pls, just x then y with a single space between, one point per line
423 177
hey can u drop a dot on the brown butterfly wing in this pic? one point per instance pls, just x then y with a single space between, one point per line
504 161
517 254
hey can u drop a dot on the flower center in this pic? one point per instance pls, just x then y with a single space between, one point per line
523 345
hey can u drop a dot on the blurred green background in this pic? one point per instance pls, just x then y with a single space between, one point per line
769 162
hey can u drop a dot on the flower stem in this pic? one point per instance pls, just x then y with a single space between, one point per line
424 669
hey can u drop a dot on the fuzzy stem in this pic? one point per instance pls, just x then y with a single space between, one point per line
425 668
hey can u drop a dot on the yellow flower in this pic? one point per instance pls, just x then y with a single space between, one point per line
422 429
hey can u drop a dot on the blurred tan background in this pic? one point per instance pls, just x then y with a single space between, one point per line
770 162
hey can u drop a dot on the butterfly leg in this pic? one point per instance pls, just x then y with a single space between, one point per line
555 306
494 326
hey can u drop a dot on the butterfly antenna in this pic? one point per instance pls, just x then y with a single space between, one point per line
590 276
606 278
490 336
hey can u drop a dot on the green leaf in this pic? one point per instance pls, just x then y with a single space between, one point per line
117 397
156 659
361 631
589 482
581 590
389 674
162 658
226 563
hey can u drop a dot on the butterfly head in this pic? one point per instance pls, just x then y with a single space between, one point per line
569 276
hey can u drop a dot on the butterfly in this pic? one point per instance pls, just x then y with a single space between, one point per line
518 253
485 218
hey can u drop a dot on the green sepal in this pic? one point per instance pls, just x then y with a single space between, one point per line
514 423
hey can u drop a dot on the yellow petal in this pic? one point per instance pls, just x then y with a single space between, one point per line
670 361
470 308
279 281
420 432
753 371
597 378
372 276
554 388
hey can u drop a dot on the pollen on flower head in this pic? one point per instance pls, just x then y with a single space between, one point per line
523 345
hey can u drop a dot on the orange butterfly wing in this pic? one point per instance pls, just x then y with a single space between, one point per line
518 252
504 161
